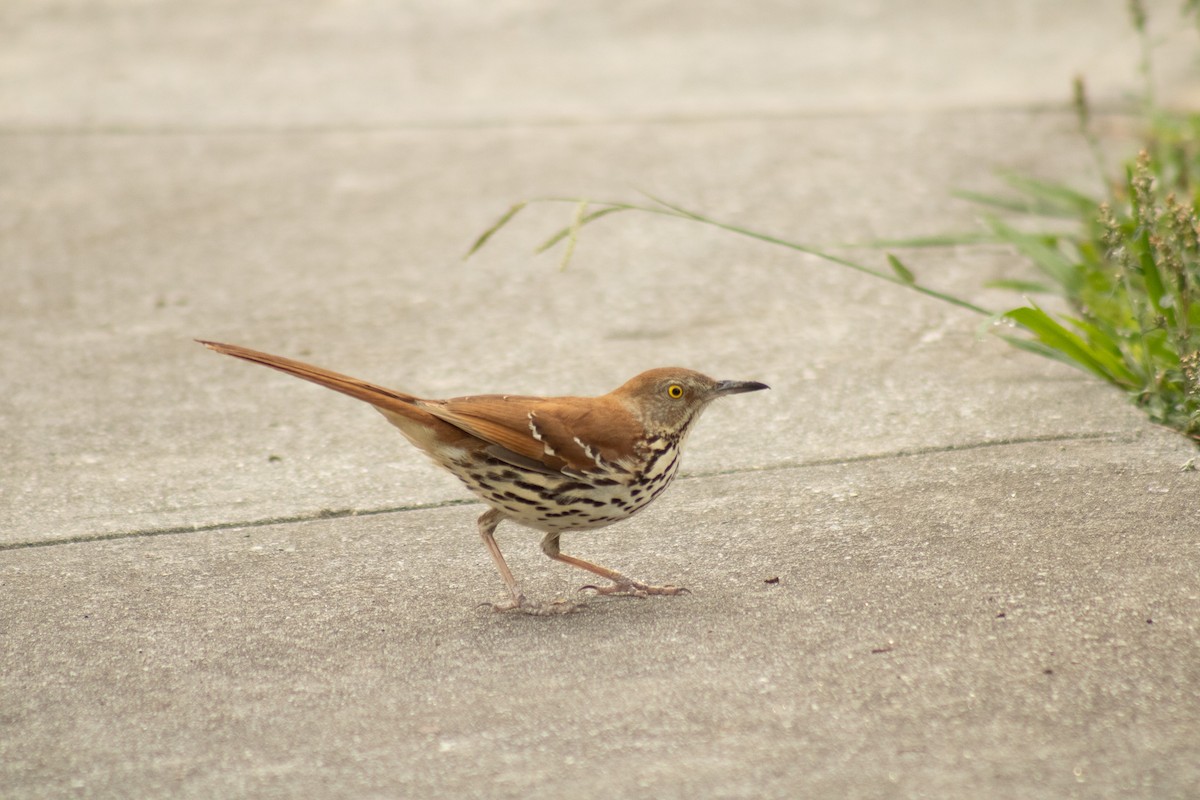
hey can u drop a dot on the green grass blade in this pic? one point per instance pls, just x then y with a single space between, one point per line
1071 347
845 262
564 232
1069 202
1155 290
921 242
573 234
497 225
1048 259
1024 287
902 272
1037 348
1019 205
1106 346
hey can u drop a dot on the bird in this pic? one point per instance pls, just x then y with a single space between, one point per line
554 464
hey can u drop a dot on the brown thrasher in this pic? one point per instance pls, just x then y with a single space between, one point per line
554 464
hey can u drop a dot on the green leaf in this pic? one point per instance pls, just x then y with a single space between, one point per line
1152 277
1037 348
1106 346
500 223
901 271
1040 198
1020 205
1069 202
1072 348
945 240
1047 258
1024 287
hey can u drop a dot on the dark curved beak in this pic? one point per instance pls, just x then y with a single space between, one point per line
737 387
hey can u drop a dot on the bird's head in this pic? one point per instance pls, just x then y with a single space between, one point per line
669 399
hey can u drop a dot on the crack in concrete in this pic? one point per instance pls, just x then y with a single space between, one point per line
914 452
129 129
350 512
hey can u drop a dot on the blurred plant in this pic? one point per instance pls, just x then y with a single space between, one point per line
1131 279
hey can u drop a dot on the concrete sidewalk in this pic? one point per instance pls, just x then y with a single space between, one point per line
218 581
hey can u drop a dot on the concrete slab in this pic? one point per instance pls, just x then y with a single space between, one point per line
986 563
311 64
1004 621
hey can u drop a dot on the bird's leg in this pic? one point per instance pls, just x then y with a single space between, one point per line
487 529
620 583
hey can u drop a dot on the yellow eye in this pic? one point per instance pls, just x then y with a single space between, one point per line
675 391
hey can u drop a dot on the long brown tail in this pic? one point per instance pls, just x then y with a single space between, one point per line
378 396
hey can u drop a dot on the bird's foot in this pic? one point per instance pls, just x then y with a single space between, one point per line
524 606
630 588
